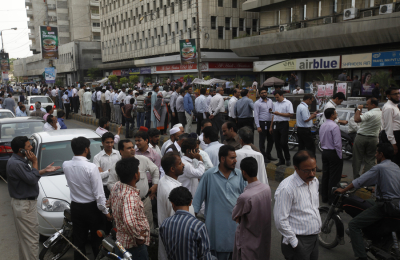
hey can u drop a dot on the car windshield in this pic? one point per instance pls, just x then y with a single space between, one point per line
9 131
6 115
41 100
59 152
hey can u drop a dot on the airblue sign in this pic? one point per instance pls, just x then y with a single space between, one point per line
390 58
145 70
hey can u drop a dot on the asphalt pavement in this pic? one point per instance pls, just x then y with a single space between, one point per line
8 235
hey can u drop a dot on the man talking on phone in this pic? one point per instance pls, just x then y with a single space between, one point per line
24 189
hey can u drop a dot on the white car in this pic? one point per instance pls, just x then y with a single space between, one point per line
44 100
54 193
5 113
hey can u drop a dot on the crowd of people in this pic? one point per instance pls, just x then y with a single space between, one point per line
207 192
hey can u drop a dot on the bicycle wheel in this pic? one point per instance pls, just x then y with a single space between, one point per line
328 236
55 251
293 141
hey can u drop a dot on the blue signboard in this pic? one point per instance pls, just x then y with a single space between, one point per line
145 70
390 58
50 75
134 71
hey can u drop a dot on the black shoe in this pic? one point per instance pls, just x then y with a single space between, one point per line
288 163
279 163
271 158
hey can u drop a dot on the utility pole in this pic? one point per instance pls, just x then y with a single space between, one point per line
198 40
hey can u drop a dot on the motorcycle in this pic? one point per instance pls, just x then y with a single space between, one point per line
380 238
56 246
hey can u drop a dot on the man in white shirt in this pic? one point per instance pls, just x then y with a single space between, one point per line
104 126
80 96
215 109
246 138
298 90
121 99
391 121
201 108
99 107
176 146
127 150
88 203
106 159
172 105
255 84
336 100
175 132
296 211
75 99
53 95
211 138
232 103
173 166
51 124
211 93
108 102
204 124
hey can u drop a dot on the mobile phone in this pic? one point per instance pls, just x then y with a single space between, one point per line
23 151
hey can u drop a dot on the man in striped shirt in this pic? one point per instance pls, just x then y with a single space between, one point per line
183 236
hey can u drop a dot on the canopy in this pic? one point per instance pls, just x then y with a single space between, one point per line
273 81
102 81
208 82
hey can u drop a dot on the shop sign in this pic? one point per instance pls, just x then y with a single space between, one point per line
230 66
134 71
175 67
319 63
390 58
5 63
116 72
188 51
125 73
5 76
49 42
50 75
357 60
145 70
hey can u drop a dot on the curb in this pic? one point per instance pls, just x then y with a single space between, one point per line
95 122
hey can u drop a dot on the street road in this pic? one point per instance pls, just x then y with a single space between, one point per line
8 236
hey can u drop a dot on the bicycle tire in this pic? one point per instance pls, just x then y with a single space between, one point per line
46 253
292 138
323 242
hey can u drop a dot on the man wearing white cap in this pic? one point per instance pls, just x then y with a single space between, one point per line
87 103
180 126
174 133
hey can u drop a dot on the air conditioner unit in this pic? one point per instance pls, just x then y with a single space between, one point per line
367 13
350 13
283 28
329 20
386 9
303 25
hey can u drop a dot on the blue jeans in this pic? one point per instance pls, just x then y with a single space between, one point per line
148 119
140 119
129 122
138 253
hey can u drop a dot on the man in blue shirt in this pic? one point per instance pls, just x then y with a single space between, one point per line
188 106
201 109
21 111
183 235
35 91
244 111
304 123
60 119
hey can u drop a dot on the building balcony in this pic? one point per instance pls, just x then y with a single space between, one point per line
31 25
255 5
31 36
94 3
51 7
28 2
345 34
96 29
95 16
29 13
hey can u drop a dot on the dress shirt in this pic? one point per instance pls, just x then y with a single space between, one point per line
22 178
206 160
353 126
74 92
45 116
172 101
261 111
65 99
330 137
330 104
164 206
212 150
21 114
231 107
9 104
247 151
165 146
84 182
302 114
216 105
371 122
69 92
156 148
115 99
152 155
188 103
129 217
108 95
282 107
101 131
203 145
186 237
103 98
296 208
179 104
386 178
298 91
244 108
98 95
105 161
35 91
94 97
192 172
53 93
48 127
145 166
208 100
201 104
61 123
127 100
390 120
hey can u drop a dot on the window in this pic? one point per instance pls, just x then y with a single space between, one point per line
165 10
189 33
176 27
220 3
189 3
213 22
173 37
180 35
319 8
234 3
152 41
255 25
335 3
180 6
172 8
184 25
220 32
305 11
227 23
291 15
248 31
241 24
162 30
235 32
169 29
166 39
96 24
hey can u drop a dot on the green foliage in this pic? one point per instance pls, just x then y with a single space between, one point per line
134 79
59 82
187 77
147 80
384 79
282 77
207 77
113 78
94 73
123 80
326 77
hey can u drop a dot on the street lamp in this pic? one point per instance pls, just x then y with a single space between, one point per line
1 31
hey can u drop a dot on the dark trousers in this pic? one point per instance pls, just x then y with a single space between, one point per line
108 111
265 126
85 217
76 105
232 119
148 119
67 109
248 121
281 131
123 118
174 119
332 167
104 110
99 109
396 157
129 123
306 139
199 118
306 249
217 123
138 253
182 118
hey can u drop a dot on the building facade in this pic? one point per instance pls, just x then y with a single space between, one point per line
327 36
136 34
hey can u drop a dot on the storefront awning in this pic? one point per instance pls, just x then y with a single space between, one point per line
208 82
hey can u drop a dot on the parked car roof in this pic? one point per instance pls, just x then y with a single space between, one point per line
65 135
19 119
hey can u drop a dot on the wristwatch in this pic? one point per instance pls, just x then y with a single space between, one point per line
359 109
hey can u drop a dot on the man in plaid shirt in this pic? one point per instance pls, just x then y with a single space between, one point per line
127 208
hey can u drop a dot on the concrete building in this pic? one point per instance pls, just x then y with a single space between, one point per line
77 20
75 58
143 37
357 35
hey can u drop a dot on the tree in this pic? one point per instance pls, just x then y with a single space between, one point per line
242 82
94 73
123 80
134 79
59 82
113 79
207 77
384 80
